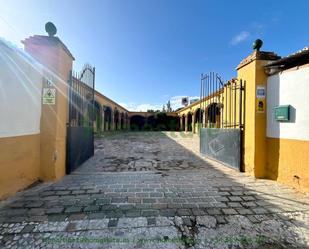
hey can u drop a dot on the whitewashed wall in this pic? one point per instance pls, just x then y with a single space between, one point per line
289 88
20 92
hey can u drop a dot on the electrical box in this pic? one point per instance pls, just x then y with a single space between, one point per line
282 113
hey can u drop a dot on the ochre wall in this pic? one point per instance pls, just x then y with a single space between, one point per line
53 122
19 163
104 101
252 71
21 83
198 104
57 61
247 73
287 162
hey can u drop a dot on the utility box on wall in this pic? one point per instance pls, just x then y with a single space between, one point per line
282 113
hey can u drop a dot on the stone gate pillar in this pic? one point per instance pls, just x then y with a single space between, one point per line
57 62
251 70
186 123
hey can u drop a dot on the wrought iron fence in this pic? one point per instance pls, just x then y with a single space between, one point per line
80 138
222 104
222 111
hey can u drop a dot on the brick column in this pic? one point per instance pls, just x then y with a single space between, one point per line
57 61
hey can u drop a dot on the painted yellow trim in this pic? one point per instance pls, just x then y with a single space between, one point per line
19 163
103 100
287 162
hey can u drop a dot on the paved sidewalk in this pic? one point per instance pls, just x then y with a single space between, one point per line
153 190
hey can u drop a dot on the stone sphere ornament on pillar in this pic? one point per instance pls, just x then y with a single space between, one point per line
51 29
257 44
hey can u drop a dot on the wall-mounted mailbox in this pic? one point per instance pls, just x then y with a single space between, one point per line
282 113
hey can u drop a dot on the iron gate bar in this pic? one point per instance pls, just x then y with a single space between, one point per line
241 127
80 137
220 101
201 97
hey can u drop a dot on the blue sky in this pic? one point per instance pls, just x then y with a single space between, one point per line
149 51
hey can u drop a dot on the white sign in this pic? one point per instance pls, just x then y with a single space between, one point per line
49 96
185 101
260 92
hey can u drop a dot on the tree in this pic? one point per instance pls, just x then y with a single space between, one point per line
168 106
163 108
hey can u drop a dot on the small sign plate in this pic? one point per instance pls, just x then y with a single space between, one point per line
260 98
260 92
49 96
260 105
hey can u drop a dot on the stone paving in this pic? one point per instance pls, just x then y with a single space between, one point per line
153 190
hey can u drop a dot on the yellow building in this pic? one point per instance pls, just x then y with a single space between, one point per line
270 147
266 104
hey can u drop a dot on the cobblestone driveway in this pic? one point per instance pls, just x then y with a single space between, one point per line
152 190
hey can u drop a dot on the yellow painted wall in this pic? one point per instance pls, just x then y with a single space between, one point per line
104 101
198 104
287 162
230 100
19 163
255 123
247 73
57 61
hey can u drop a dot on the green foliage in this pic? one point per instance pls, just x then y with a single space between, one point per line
160 121
147 127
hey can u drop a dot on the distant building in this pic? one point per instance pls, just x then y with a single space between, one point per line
185 101
193 100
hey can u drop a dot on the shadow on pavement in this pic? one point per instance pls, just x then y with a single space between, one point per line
149 185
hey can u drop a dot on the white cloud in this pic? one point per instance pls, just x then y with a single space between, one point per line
242 36
141 107
175 104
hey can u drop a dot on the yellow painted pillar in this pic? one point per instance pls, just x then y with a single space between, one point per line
193 122
251 69
57 59
181 124
113 121
186 123
103 119
128 123
119 121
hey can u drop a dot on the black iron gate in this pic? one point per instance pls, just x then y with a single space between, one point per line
80 138
222 112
